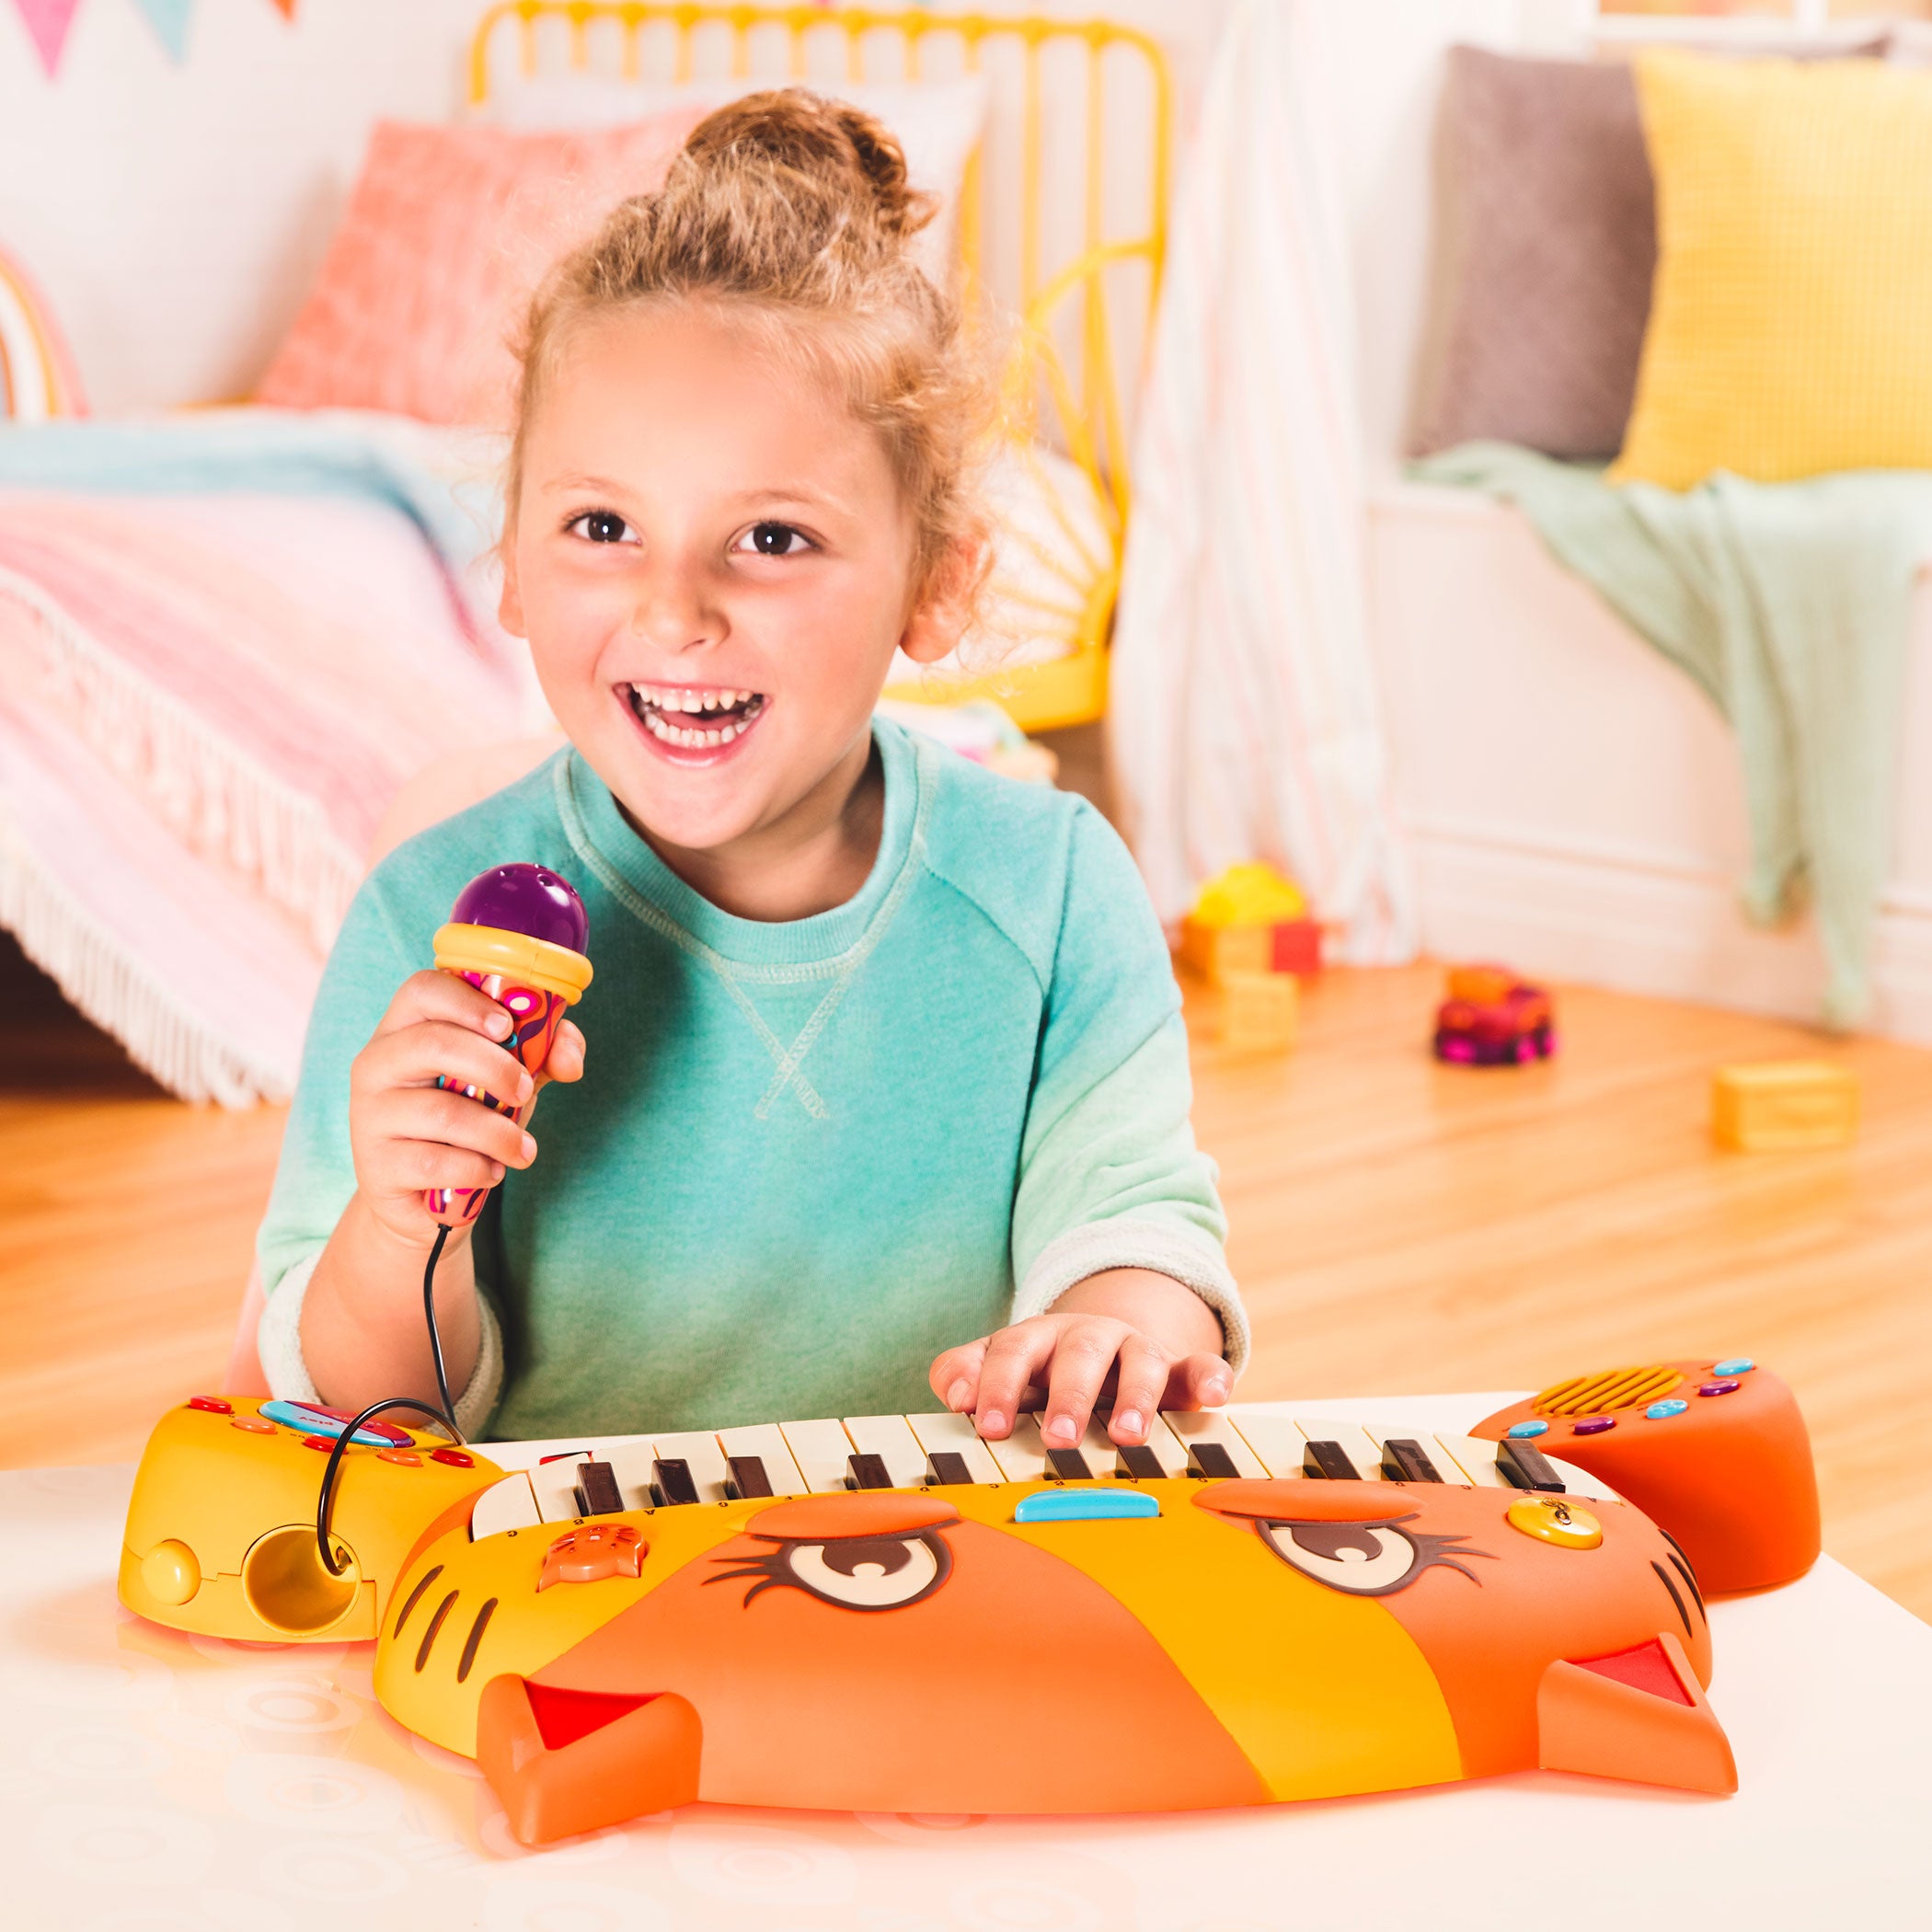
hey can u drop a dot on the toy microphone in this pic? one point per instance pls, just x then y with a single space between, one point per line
519 933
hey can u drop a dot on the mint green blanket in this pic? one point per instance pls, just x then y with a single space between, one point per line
1789 604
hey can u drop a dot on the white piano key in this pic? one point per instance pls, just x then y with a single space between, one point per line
1168 1447
1476 1458
554 1485
508 1505
1022 1456
1581 1482
630 1458
698 1450
1357 1444
1274 1438
766 1442
891 1439
957 1433
1210 1425
1097 1449
823 1451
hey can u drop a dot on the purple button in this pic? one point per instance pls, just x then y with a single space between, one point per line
1593 1425
1719 1388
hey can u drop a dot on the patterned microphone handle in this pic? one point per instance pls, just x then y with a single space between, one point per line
518 934
536 1016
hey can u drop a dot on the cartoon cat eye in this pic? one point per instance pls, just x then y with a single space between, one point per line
1364 1559
855 1572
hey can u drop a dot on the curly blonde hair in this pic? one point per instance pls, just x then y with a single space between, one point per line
792 213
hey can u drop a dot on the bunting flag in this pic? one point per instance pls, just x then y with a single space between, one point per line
49 21
47 24
169 21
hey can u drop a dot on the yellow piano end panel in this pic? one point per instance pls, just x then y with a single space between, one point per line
1084 309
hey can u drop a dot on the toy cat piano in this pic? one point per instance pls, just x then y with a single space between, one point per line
1253 1609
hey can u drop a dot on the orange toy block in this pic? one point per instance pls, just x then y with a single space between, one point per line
1775 1106
1261 1012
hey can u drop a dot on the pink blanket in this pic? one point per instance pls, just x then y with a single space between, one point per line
207 701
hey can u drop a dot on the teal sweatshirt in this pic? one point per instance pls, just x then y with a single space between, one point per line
806 1156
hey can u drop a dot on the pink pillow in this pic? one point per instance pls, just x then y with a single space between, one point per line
447 233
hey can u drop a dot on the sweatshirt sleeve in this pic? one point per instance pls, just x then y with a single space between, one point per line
1110 1175
316 1175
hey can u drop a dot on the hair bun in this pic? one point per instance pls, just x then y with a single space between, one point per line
839 150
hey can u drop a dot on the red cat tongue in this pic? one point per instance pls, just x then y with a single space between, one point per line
1645 1668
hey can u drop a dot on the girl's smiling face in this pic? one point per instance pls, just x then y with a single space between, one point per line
711 558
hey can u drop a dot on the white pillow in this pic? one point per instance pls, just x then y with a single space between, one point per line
939 123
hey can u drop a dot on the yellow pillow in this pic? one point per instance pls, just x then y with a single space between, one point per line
1790 323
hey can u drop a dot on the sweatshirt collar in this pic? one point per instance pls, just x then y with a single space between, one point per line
652 892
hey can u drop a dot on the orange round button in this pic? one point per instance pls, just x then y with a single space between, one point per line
253 1424
407 1457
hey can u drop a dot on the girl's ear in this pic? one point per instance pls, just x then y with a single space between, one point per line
509 606
939 619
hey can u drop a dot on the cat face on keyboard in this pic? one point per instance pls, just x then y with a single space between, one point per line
1255 1639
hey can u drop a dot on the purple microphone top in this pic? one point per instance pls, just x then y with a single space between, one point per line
524 899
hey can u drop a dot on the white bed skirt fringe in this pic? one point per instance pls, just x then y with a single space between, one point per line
213 796
105 982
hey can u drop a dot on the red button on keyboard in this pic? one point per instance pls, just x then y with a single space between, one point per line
211 1404
453 1457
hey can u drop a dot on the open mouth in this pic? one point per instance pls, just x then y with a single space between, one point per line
694 718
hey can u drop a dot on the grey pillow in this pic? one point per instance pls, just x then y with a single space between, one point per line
1546 240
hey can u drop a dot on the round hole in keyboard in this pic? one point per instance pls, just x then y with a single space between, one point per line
1609 1389
285 1585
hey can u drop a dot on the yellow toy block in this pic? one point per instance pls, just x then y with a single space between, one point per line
1250 919
1250 895
1261 1012
1773 1106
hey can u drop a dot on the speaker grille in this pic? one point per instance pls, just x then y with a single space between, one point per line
1612 1388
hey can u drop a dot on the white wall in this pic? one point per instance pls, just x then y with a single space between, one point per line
175 215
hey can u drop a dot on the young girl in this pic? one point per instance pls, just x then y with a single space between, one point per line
884 1052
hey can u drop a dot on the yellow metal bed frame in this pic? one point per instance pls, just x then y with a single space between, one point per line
1072 305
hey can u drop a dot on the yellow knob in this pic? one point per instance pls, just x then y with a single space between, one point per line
1550 1519
170 1573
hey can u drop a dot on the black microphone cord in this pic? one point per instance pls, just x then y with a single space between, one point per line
444 1417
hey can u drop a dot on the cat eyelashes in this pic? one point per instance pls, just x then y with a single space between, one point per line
1367 1559
854 1572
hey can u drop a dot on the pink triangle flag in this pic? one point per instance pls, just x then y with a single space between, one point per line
47 24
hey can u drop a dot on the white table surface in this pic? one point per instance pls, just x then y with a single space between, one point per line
152 1782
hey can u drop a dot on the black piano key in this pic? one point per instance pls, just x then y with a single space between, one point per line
1328 1461
1142 1463
597 1492
1405 1460
671 1481
869 1472
1526 1466
748 1479
1069 1466
1210 1460
947 1465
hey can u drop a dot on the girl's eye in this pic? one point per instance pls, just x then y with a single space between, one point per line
601 526
774 540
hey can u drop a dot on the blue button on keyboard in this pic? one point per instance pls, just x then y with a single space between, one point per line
1083 1505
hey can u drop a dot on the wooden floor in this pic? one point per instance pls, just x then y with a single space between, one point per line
1397 1228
